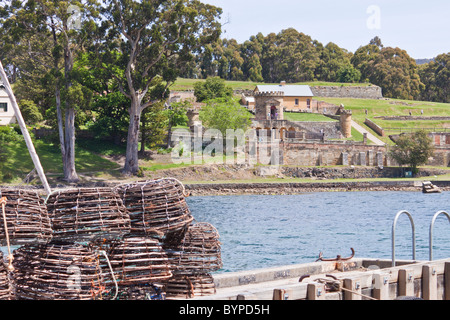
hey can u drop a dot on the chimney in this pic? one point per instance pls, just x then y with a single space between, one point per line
282 83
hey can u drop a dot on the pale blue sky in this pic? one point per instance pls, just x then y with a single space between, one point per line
422 28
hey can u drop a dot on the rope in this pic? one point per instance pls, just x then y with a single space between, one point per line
336 284
112 273
10 256
360 294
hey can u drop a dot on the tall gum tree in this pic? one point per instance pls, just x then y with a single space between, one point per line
154 39
62 26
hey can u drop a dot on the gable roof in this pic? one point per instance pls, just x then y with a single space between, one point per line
289 90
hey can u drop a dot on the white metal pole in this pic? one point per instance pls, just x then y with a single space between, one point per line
25 133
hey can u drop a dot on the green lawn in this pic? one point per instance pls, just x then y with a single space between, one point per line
395 107
19 162
311 117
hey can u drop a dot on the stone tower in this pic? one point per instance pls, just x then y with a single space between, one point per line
346 123
269 105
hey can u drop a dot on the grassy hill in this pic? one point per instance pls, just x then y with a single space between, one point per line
394 107
375 108
19 163
183 84
92 156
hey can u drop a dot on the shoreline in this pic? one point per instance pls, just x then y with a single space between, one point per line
287 188
227 188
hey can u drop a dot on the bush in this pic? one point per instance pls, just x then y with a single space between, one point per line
413 149
30 112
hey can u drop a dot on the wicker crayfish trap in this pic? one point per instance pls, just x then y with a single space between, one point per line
26 217
5 284
135 261
198 252
57 271
157 208
83 214
149 291
189 286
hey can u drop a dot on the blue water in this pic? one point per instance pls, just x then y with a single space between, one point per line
266 231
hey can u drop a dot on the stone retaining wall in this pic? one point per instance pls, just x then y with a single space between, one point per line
297 188
369 92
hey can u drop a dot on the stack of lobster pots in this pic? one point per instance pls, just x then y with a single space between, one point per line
194 258
132 242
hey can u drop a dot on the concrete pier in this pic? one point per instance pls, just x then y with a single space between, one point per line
356 279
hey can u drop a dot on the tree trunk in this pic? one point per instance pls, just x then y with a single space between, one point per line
70 174
60 125
169 133
131 161
143 135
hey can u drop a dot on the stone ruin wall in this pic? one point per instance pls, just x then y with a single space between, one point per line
369 92
330 154
351 154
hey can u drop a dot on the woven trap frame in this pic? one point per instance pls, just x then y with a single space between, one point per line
199 251
5 285
57 271
139 292
27 219
189 286
157 207
83 214
136 260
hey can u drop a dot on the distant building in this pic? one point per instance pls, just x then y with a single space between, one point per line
7 115
248 101
288 98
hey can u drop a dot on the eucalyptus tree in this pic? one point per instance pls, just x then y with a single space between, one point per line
149 40
59 30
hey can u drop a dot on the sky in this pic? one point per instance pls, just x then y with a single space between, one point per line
422 28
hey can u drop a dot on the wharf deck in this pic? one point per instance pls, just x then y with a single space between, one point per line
356 279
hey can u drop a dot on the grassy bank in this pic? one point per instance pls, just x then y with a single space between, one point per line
183 84
395 107
19 163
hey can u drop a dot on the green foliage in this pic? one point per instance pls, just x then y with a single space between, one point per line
223 114
390 68
413 149
435 75
333 61
7 135
177 113
212 88
111 120
349 74
30 112
153 126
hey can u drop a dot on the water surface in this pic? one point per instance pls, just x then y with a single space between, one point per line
266 231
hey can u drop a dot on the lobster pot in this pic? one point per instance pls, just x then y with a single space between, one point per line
190 286
5 286
84 214
157 208
27 219
57 271
138 292
136 260
199 251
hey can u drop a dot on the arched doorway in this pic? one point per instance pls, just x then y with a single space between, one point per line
273 112
282 133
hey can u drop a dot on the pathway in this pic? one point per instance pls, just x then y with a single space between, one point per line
370 136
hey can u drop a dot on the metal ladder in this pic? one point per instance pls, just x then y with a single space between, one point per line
431 230
414 233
